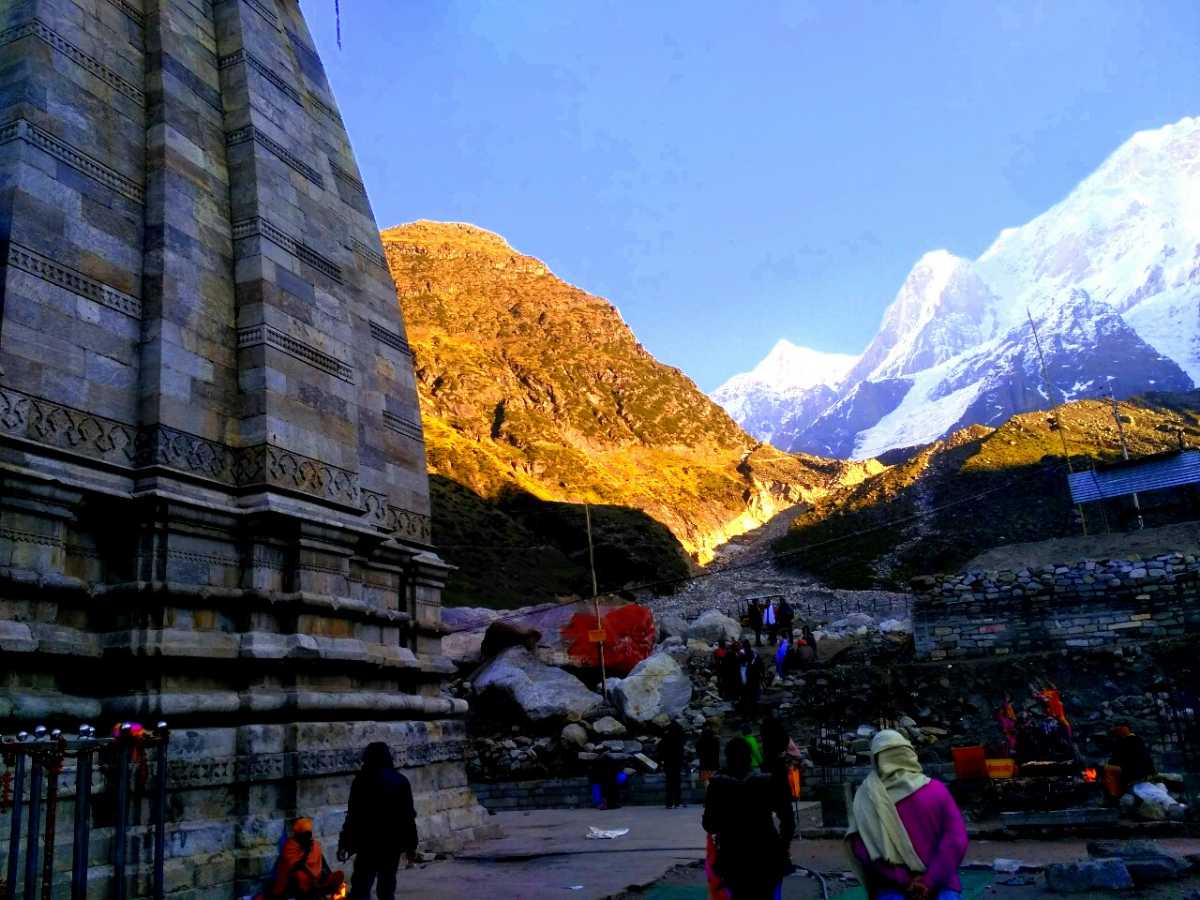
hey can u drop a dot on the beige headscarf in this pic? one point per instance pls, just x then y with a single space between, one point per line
873 817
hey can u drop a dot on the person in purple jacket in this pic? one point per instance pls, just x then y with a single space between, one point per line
906 837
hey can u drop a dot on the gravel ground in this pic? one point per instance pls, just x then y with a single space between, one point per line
727 589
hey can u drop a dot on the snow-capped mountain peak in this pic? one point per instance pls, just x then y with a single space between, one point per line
789 367
1110 275
789 378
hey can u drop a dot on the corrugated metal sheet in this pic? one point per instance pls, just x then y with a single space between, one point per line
1136 477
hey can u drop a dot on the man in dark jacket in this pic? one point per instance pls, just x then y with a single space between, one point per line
755 614
670 754
381 824
739 812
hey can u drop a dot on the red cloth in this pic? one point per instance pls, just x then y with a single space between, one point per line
629 638
1055 706
938 834
716 887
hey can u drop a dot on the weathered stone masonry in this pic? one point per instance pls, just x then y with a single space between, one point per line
213 500
1085 605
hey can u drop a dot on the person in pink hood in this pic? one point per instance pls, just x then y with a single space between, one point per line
906 837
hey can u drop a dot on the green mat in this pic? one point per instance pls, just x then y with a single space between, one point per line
677 892
975 884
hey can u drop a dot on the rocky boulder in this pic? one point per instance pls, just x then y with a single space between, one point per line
515 678
608 727
574 735
672 625
657 687
1088 877
713 626
1146 861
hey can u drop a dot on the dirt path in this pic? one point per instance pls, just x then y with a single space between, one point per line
755 544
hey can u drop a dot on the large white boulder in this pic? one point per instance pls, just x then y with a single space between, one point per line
542 692
671 625
712 626
657 686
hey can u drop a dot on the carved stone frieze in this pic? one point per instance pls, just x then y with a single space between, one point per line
272 466
55 425
35 419
266 767
411 525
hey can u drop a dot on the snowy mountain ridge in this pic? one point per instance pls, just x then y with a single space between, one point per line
1110 276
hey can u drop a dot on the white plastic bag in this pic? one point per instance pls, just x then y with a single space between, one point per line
595 833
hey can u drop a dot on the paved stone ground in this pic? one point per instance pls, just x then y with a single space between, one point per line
545 854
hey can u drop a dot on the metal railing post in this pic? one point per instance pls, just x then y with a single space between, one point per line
83 796
54 766
14 830
35 822
160 811
122 802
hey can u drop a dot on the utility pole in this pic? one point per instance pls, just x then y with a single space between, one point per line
587 513
1137 504
1050 391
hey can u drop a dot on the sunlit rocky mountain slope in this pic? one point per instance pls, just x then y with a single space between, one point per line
537 398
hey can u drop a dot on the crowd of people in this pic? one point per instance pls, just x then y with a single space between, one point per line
741 670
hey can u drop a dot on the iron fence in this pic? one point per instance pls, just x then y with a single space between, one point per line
1179 728
33 779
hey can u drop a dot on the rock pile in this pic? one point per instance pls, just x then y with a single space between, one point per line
1117 866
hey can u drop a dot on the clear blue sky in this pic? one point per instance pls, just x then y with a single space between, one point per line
732 173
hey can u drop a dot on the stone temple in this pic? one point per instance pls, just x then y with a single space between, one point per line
213 500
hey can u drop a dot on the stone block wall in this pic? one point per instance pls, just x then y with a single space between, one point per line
576 793
1085 605
213 501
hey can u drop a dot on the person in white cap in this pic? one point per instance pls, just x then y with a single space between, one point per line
906 836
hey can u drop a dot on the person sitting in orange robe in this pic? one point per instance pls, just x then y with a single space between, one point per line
301 871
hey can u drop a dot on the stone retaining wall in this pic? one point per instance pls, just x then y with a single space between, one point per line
1089 604
576 793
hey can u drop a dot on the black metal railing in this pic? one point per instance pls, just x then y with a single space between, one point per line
34 767
1179 727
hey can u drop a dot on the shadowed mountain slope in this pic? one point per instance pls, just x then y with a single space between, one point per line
981 488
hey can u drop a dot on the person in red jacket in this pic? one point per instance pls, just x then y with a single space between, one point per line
301 871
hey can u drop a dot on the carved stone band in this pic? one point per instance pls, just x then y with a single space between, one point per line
257 335
43 32
286 156
76 282
24 130
126 447
260 227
